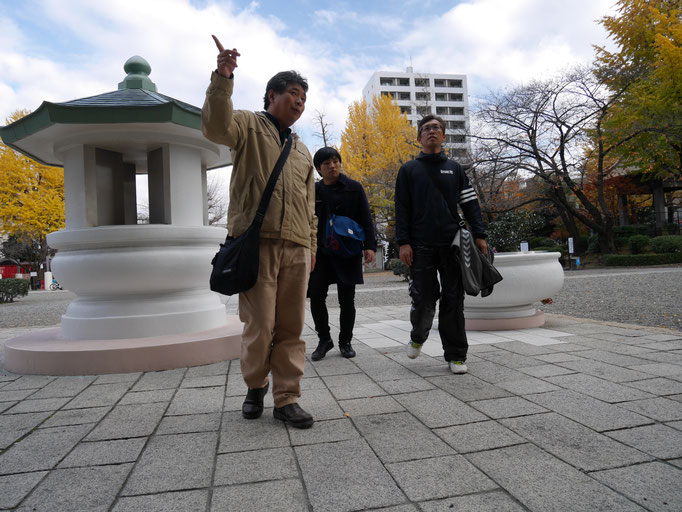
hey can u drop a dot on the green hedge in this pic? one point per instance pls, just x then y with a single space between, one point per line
638 260
11 287
638 244
666 244
399 268
541 241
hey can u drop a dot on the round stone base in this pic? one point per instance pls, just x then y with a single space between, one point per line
505 324
46 352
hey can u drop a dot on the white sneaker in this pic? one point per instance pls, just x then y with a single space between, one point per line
414 349
457 367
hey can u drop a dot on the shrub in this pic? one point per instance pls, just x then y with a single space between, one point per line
506 232
540 241
621 234
10 288
666 244
593 243
638 244
638 260
400 269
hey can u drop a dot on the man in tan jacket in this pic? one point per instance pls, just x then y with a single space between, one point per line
273 310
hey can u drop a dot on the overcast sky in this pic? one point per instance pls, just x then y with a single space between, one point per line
58 50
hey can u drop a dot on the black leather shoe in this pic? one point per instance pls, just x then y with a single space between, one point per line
322 348
294 416
347 351
252 407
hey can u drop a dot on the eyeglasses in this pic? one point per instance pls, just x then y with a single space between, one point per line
431 128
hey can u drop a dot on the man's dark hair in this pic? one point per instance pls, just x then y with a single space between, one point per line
324 154
426 119
280 81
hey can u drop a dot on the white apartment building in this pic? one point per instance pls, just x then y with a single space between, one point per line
418 94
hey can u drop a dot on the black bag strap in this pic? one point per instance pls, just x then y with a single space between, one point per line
270 187
453 209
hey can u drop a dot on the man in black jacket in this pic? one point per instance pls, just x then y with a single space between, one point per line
337 194
425 229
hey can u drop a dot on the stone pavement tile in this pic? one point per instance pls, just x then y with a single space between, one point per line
574 348
91 489
29 382
239 434
398 508
437 408
589 411
45 404
574 443
495 501
207 370
197 401
113 378
660 409
345 387
255 466
467 387
125 421
507 407
655 485
235 385
387 370
11 396
660 369
15 426
312 383
675 424
559 357
663 337
516 354
173 462
663 345
545 370
328 431
658 386
278 496
13 488
42 449
146 397
95 396
598 388
586 328
483 349
182 501
76 416
101 453
209 422
527 386
64 386
664 357
543 483
6 405
321 404
406 385
606 356
439 477
677 463
203 381
605 370
387 434
334 366
474 437
168 379
494 373
346 476
234 403
676 397
372 405
661 441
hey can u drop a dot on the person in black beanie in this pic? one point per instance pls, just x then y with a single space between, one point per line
337 194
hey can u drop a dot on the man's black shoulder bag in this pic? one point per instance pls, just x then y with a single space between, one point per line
235 265
478 273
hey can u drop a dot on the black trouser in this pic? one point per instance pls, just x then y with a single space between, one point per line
427 262
317 291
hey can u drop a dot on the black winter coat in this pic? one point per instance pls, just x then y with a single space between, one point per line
348 199
422 213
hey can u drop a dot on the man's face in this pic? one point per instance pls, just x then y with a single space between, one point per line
330 170
288 106
431 137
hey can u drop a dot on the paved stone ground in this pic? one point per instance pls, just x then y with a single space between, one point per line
577 415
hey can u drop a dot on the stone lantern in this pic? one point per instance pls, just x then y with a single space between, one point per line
143 301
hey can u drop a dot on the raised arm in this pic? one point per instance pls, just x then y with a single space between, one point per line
227 59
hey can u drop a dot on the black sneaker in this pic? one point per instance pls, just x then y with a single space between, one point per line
322 348
252 407
346 350
294 415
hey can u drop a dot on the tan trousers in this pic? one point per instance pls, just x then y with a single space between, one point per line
273 312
